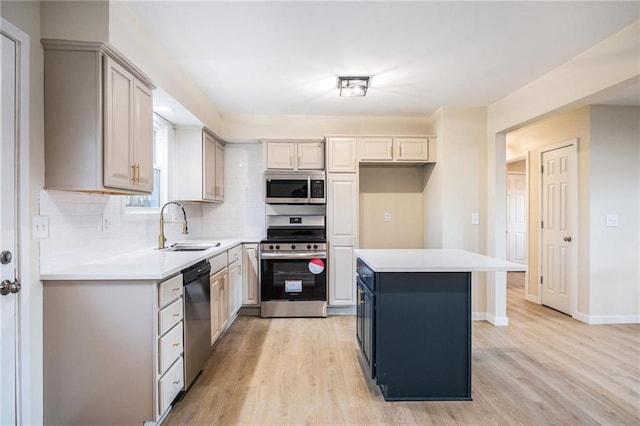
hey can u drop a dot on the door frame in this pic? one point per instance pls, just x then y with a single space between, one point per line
24 392
574 200
527 173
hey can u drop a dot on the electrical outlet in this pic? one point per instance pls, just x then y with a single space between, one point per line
40 227
106 222
475 218
387 217
611 220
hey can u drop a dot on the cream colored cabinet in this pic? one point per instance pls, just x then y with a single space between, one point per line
414 149
342 154
219 303
114 348
235 280
199 161
98 120
285 155
250 268
342 233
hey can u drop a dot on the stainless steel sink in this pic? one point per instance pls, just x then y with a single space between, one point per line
192 246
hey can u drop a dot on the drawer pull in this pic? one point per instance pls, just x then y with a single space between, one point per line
176 315
176 289
176 382
175 345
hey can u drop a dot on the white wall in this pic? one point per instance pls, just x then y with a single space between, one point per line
614 189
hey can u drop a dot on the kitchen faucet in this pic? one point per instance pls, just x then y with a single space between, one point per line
162 239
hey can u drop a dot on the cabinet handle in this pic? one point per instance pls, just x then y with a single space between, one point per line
176 289
175 345
176 382
176 315
400 151
133 173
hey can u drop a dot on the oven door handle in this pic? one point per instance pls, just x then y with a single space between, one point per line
312 255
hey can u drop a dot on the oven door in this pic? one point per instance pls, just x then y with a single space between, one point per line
293 277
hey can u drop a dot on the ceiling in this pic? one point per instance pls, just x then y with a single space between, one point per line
283 58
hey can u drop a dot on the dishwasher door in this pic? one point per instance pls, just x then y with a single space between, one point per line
197 321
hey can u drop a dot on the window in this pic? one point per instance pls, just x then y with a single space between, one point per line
152 202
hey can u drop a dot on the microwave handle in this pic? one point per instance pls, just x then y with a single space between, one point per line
309 189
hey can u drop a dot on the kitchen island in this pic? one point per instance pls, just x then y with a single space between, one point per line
414 319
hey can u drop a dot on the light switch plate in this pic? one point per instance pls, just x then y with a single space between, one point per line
387 217
475 218
40 227
611 220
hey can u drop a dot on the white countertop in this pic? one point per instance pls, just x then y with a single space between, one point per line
147 264
433 260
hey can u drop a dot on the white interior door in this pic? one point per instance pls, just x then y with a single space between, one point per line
8 227
559 191
516 217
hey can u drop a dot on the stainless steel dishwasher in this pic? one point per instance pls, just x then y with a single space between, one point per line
197 320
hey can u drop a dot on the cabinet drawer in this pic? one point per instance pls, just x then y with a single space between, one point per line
218 262
170 385
234 254
170 290
170 347
170 316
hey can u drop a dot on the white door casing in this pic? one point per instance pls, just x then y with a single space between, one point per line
516 217
8 237
559 194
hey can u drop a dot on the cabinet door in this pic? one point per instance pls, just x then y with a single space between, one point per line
250 285
215 307
342 209
342 155
118 130
411 149
142 137
209 168
219 172
224 301
342 285
235 288
281 155
375 149
310 156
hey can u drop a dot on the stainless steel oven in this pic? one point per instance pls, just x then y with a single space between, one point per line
293 273
301 187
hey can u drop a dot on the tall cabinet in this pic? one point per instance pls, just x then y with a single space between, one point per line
98 120
342 219
199 163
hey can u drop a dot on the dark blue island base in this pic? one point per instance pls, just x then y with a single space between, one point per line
421 334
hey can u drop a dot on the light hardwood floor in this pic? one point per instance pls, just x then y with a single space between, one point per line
543 369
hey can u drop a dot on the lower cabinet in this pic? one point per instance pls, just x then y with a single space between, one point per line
219 302
342 272
114 350
250 283
364 325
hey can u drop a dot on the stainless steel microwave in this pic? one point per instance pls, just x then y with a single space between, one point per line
306 187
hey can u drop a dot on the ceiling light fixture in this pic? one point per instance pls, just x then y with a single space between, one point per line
353 86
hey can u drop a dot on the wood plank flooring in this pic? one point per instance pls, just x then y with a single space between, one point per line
545 368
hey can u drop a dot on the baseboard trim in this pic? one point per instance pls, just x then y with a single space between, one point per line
533 299
607 319
341 310
478 316
498 321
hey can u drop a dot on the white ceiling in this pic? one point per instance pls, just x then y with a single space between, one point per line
278 58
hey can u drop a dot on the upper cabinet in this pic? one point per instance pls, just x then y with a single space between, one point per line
418 149
342 155
98 120
289 155
199 161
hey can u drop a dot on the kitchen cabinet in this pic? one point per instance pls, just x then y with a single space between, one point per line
342 155
219 278
250 283
409 149
114 350
98 120
235 280
364 325
342 235
288 155
199 165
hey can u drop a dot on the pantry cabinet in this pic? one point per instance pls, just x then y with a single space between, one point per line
98 120
342 234
199 162
288 155
342 154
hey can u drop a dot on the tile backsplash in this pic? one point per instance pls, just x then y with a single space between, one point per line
77 234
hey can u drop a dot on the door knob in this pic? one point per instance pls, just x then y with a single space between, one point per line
567 239
7 287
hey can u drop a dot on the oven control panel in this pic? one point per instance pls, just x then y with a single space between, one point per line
266 247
